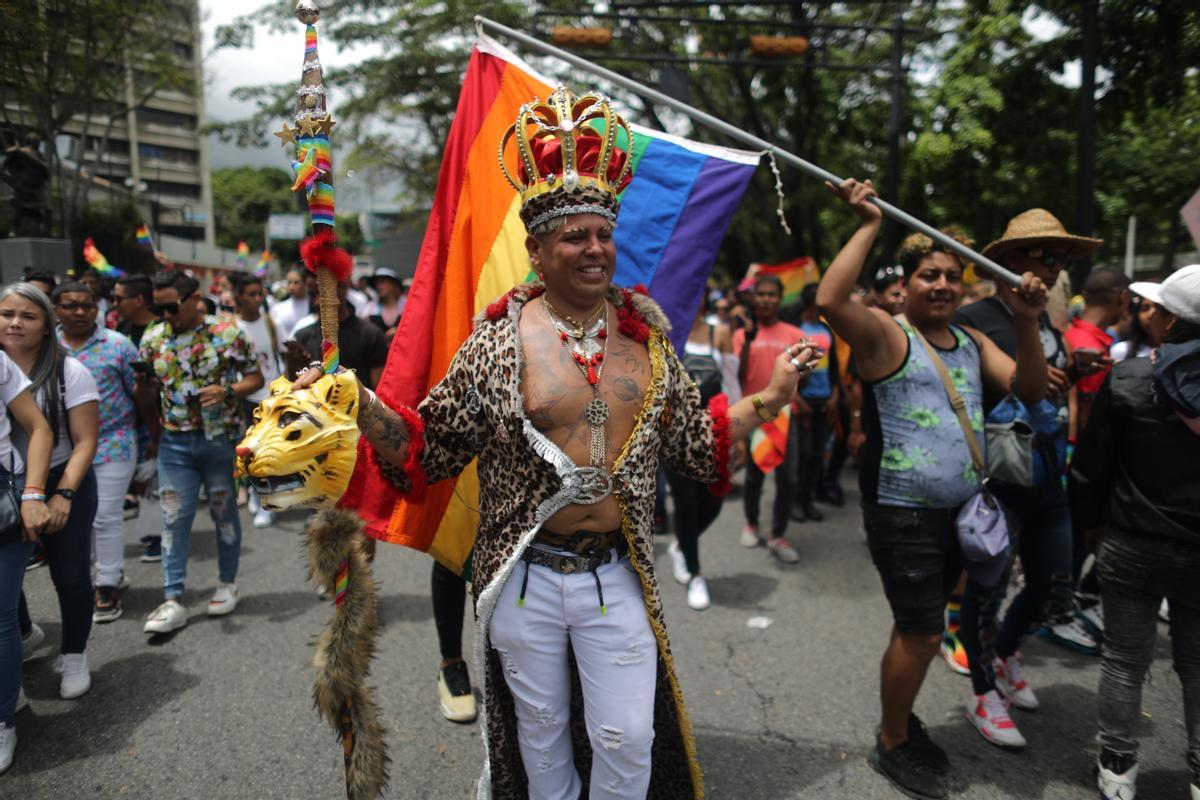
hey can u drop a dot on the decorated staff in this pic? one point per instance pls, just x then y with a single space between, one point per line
302 449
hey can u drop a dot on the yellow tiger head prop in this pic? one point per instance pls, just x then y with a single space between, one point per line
302 446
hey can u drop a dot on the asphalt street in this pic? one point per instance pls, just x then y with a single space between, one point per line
780 676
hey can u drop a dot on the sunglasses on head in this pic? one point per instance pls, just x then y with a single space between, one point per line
1050 258
165 308
77 306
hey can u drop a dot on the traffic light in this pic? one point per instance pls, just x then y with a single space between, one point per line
597 38
778 46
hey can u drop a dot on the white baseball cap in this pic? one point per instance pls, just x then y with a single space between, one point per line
1179 293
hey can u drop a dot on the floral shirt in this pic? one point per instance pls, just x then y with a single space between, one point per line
109 357
214 352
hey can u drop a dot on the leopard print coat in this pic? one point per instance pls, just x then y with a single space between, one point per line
477 411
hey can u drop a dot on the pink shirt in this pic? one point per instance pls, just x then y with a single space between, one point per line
760 361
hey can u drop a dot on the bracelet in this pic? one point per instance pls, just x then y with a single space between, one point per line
371 404
31 496
34 489
760 407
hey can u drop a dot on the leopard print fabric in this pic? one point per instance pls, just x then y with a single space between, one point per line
477 411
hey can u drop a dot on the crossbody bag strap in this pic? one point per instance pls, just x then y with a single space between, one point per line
956 400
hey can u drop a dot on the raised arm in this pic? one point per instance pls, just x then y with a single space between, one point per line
878 343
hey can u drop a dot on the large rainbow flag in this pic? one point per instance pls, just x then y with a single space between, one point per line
673 217
795 275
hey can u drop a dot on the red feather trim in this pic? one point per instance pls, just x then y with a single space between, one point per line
630 322
640 288
718 407
412 465
498 309
320 250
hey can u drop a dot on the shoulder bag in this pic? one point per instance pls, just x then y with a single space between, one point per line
982 524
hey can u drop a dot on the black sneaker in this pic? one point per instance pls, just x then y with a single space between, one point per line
811 512
934 756
152 549
108 604
132 507
36 559
908 771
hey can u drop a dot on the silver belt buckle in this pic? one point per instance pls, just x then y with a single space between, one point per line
589 485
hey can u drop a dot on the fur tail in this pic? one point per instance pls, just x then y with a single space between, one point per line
344 651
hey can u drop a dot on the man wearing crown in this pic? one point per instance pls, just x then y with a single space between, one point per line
569 394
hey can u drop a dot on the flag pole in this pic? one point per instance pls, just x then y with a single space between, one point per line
889 210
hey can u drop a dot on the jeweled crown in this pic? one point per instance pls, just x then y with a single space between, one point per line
566 164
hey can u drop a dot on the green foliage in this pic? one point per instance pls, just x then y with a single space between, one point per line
991 126
243 198
64 64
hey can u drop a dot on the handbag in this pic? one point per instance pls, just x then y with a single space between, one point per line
10 510
1026 447
982 523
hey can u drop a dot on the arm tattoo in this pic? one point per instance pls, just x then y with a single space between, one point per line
385 426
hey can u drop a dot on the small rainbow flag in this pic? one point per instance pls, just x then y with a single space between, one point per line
768 444
320 204
264 263
795 275
143 237
243 253
97 261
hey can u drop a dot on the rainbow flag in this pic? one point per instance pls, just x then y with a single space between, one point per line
264 263
673 217
795 275
143 237
768 443
243 254
97 261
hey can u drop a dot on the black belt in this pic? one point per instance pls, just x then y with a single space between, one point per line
571 564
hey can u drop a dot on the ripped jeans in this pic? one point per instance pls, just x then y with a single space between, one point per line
185 459
617 657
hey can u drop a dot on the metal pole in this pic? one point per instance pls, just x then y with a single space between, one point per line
1130 246
703 118
892 187
1086 141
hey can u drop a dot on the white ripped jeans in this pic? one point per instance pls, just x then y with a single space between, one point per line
108 529
617 658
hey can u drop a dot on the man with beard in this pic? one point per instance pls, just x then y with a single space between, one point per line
917 470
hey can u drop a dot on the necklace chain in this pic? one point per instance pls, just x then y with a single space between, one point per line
591 363
579 327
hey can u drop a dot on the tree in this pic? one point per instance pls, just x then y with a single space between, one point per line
243 199
79 67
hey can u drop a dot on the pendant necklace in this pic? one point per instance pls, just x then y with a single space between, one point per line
586 342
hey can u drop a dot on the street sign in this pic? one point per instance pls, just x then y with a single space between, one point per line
286 226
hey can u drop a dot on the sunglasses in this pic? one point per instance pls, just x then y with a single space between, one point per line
165 308
1049 258
77 306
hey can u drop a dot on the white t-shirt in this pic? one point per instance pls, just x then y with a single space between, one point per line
268 357
12 383
81 388
1120 351
287 313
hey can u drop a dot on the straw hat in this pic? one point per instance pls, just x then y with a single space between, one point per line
1038 226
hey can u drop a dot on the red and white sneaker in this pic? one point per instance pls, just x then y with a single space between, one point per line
989 714
1011 683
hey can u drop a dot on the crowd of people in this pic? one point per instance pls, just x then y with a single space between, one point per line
147 385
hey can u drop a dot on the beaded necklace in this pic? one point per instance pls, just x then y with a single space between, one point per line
587 343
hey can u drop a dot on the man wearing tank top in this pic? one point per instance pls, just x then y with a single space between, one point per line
917 471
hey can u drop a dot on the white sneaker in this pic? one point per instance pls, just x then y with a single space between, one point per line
1092 618
252 504
751 537
8 743
22 701
76 679
264 518
989 714
123 584
782 549
697 593
1119 786
1011 683
678 564
30 643
224 600
1071 635
170 616
1164 613
1195 792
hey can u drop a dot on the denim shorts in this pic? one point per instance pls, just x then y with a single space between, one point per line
919 561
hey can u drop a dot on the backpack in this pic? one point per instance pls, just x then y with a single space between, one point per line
704 370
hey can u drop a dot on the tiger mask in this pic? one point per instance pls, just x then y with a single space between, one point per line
300 452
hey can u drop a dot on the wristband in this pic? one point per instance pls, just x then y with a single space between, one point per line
371 403
760 407
31 496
